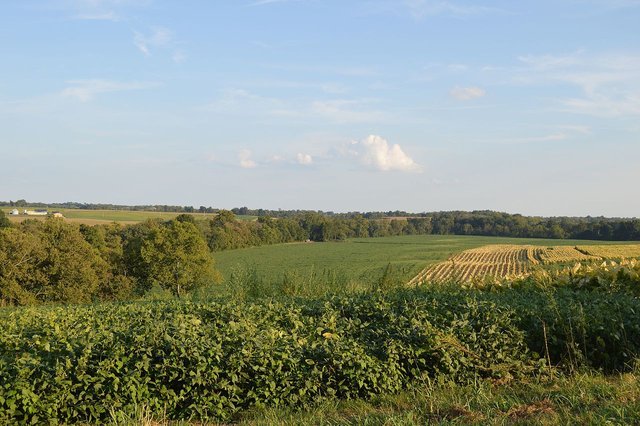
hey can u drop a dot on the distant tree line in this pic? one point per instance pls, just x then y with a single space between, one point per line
326 226
56 261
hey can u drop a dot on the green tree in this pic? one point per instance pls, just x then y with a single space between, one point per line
4 220
107 240
22 277
74 268
48 262
177 258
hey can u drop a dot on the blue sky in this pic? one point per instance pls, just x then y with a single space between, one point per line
527 107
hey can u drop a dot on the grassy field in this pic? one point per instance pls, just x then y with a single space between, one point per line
364 259
95 217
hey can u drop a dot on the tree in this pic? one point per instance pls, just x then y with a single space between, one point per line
48 262
4 220
107 240
21 274
177 258
74 268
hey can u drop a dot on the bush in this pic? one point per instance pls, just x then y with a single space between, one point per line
188 360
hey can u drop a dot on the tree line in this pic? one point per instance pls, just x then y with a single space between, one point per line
56 261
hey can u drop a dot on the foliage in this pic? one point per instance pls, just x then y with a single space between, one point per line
187 360
210 360
4 220
176 257
48 262
55 261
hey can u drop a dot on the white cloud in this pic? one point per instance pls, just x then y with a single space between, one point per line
304 159
467 93
179 57
375 151
86 90
158 38
610 83
346 111
422 8
245 159
105 10
104 16
339 111
266 2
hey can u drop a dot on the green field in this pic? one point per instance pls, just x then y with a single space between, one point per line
93 217
364 259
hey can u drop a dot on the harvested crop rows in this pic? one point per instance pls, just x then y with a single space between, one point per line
495 261
564 254
502 261
612 251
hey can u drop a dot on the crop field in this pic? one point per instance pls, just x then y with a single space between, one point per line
96 217
365 260
612 251
500 261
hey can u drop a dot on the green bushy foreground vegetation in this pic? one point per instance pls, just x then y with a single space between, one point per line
215 360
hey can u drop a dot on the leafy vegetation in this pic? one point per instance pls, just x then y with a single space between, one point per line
54 261
186 360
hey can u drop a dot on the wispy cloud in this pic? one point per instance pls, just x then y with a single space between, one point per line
86 90
347 111
423 8
609 83
467 93
339 111
267 2
566 132
103 10
158 38
105 16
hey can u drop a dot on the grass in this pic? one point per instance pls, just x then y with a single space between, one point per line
363 259
93 217
586 398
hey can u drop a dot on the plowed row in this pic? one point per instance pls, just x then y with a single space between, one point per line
509 261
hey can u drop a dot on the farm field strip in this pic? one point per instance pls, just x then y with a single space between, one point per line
500 261
612 251
125 217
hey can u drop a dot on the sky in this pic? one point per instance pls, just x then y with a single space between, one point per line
528 107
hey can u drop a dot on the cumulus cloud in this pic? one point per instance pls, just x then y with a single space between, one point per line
467 93
376 152
304 159
245 159
86 90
